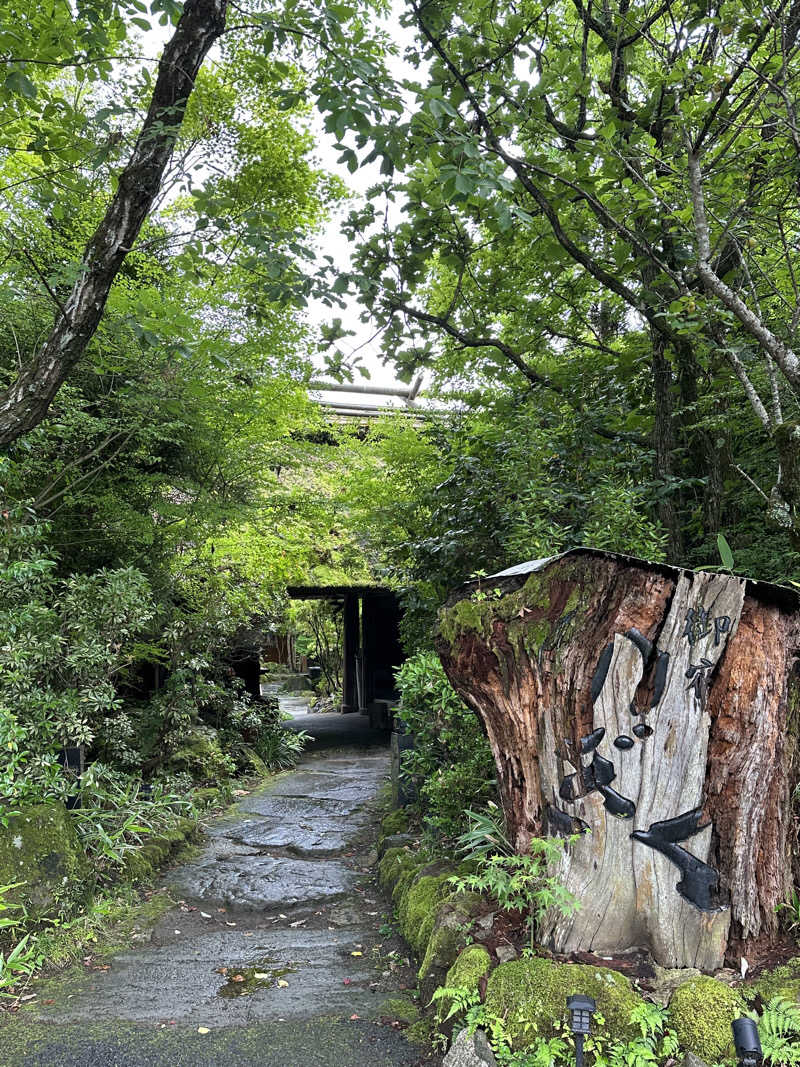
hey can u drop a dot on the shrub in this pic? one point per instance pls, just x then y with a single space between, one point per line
451 763
63 645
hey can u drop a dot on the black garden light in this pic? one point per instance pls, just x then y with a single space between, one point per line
73 763
747 1042
580 1009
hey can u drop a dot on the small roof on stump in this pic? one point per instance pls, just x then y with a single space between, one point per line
785 596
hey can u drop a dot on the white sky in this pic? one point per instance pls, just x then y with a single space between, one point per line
331 241
334 244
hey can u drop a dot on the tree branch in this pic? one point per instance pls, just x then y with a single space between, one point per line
26 403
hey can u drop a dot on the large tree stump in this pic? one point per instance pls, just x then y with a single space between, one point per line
656 708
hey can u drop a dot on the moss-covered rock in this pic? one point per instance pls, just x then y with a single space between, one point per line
396 822
201 756
451 924
417 909
396 862
783 981
40 848
406 1011
473 963
403 883
530 996
142 863
701 1012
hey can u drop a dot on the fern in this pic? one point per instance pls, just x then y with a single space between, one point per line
779 1030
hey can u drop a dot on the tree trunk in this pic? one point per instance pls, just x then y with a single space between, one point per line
27 401
664 445
655 708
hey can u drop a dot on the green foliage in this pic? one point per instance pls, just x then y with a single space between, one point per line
115 818
517 882
64 643
451 763
19 954
485 836
654 1043
779 1031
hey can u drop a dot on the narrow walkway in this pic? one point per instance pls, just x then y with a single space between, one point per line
275 949
328 729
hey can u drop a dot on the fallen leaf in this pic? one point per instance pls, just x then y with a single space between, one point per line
203 1030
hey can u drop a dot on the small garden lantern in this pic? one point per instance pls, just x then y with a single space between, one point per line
73 763
747 1042
580 1009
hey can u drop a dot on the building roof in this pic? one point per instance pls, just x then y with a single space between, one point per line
331 592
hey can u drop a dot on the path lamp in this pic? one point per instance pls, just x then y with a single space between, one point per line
72 759
747 1042
580 1009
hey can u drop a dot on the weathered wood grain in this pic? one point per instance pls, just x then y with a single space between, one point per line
708 674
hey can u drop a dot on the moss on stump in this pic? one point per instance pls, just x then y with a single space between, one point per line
701 1012
40 848
530 996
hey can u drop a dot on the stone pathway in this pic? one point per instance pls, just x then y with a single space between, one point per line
282 895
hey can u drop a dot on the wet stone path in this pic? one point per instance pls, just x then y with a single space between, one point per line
275 949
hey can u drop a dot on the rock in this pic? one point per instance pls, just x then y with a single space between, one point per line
395 841
701 1012
470 1051
453 919
201 756
530 995
395 866
667 981
473 964
40 848
418 906
690 1060
505 953
396 822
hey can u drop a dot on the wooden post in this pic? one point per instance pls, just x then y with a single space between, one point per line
350 647
655 708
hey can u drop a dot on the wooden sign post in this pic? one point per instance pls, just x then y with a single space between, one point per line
656 709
